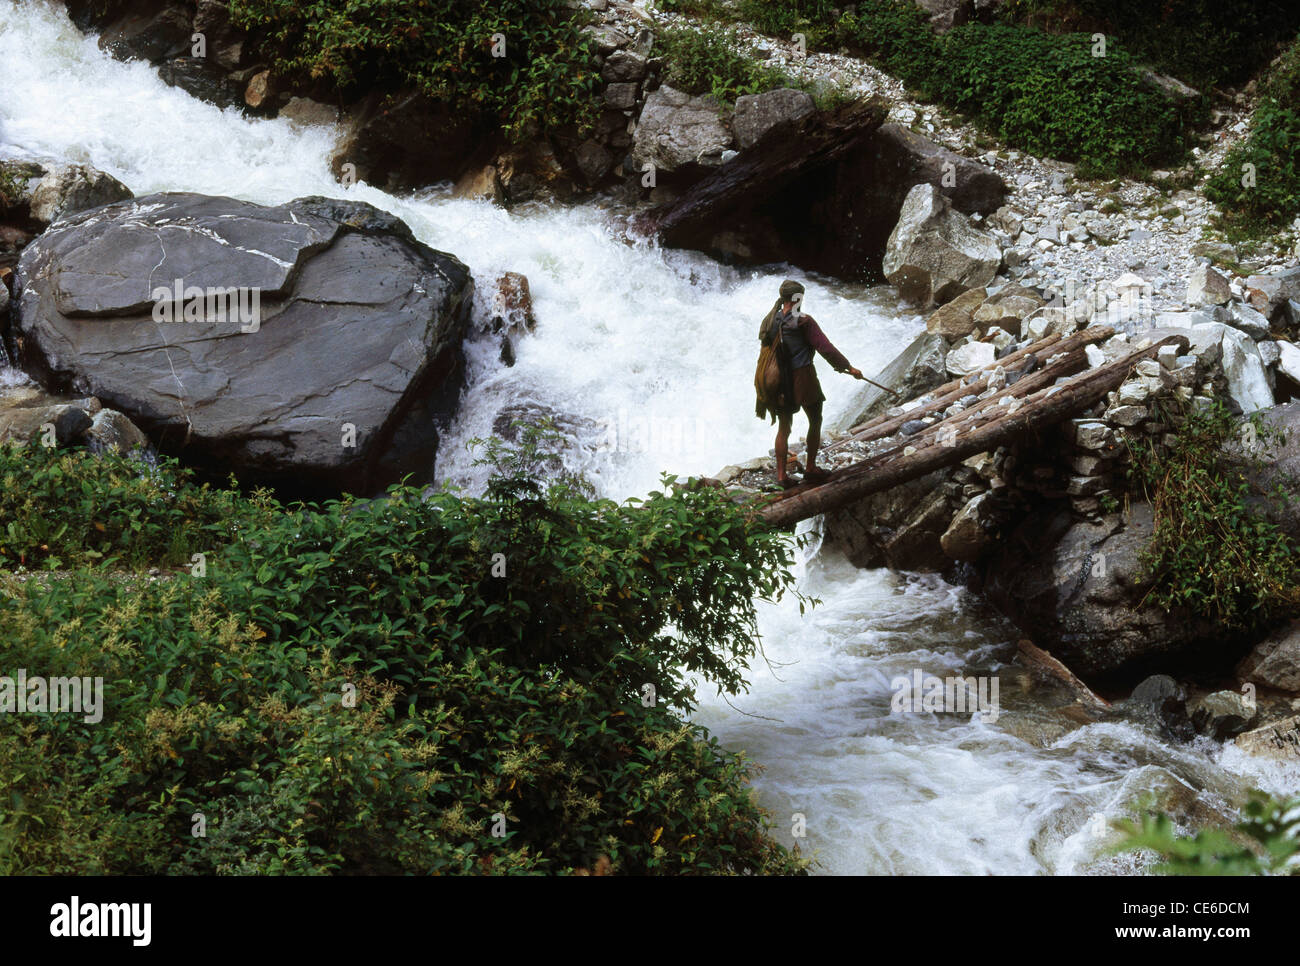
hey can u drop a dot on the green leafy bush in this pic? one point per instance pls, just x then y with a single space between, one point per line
809 17
1040 92
1258 187
1051 96
715 62
1212 549
1266 842
59 509
486 701
445 48
896 36
1204 42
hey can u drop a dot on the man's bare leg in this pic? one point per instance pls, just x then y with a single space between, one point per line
814 440
782 445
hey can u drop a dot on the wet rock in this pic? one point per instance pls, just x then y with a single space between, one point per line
934 254
308 113
111 430
405 141
259 90
1158 703
66 189
1076 589
593 160
480 184
325 345
1221 715
1278 741
900 528
512 308
203 78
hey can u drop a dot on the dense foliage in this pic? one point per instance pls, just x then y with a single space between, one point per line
365 686
1052 96
1258 187
1213 548
1044 93
1204 42
714 62
517 63
1266 842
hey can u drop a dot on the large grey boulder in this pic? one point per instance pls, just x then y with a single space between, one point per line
905 158
1076 589
900 528
934 253
677 129
756 114
312 346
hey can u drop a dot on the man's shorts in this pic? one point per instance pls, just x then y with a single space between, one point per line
808 393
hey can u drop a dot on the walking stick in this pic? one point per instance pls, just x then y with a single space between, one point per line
878 385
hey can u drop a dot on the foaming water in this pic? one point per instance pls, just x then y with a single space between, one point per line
647 356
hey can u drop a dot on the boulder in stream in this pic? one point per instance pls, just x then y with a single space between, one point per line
311 346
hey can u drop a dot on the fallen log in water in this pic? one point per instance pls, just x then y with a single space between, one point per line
985 430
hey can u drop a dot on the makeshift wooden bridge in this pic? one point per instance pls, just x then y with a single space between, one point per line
1017 411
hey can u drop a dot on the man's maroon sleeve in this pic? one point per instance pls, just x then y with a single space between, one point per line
817 339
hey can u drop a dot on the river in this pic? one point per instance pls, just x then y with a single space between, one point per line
653 350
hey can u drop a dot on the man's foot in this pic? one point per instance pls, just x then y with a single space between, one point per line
785 483
815 474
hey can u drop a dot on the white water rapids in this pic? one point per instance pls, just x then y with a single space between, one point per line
660 346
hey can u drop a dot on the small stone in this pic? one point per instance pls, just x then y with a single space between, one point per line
1205 286
970 358
1133 393
1126 415
1094 435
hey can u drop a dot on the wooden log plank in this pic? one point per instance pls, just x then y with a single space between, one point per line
1040 410
955 388
878 428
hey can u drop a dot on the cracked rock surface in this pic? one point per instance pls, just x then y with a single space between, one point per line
328 315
